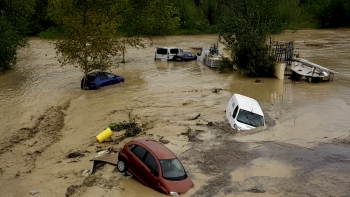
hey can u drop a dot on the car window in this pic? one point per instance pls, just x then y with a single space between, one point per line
235 112
162 51
250 118
103 76
131 146
110 76
151 163
172 169
139 151
91 78
174 51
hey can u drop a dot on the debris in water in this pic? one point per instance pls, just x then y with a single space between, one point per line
33 192
74 155
195 117
71 190
216 90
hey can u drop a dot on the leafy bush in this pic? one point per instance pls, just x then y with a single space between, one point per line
255 61
131 126
226 65
52 33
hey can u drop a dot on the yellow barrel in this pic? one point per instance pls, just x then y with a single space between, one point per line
105 135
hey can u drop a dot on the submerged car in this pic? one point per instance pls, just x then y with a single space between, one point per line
96 80
184 56
155 166
244 113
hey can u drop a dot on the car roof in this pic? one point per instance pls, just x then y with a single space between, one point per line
95 73
158 149
248 104
168 47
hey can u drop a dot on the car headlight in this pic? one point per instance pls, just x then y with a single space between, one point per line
174 194
236 127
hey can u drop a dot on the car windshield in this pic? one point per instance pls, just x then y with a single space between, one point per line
172 169
250 118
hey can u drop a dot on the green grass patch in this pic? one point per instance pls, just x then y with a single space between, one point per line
52 33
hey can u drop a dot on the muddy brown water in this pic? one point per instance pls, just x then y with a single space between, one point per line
304 150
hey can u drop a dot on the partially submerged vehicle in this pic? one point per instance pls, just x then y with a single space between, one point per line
184 57
166 53
244 113
306 70
155 166
96 80
210 57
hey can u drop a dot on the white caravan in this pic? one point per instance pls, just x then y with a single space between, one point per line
244 113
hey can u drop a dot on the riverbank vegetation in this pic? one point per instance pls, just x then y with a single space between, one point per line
22 18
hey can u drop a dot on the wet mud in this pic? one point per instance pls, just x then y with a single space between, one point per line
49 133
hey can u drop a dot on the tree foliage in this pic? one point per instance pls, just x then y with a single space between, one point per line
90 32
151 17
244 26
196 15
40 20
14 23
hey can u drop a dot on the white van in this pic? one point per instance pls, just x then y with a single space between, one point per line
166 53
244 113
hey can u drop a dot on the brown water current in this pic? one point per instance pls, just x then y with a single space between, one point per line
303 151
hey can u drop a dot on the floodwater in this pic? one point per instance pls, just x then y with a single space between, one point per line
297 155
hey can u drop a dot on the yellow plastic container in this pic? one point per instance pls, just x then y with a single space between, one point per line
105 135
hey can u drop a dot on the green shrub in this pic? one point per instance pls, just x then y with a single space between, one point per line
226 65
52 33
255 61
131 126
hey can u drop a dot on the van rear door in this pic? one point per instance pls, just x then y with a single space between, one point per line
161 53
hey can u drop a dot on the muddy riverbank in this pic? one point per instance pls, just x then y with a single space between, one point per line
49 125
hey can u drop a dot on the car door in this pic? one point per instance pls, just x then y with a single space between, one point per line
112 79
103 79
136 164
187 56
151 170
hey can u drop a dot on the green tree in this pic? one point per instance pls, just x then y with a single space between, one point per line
90 32
39 20
244 26
14 25
151 17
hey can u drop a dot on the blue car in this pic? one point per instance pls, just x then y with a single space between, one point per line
184 56
96 80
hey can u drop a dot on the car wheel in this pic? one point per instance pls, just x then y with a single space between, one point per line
82 83
121 165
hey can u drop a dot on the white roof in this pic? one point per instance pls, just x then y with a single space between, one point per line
311 64
249 104
168 47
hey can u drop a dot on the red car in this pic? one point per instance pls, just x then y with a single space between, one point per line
155 166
